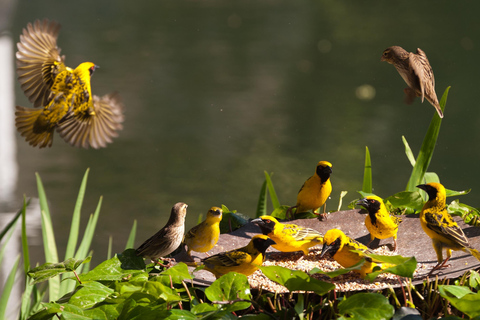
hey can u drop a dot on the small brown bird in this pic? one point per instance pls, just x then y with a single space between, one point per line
417 73
168 238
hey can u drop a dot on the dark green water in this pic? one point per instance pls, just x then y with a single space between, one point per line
216 92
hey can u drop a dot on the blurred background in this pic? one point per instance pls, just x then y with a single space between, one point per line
216 92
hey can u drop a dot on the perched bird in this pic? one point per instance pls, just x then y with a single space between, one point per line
417 73
245 260
203 237
168 238
288 237
379 222
348 252
315 191
440 227
62 94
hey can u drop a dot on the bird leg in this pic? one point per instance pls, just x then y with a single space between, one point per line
395 246
170 262
439 266
289 214
324 214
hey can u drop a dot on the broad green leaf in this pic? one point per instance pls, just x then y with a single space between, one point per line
428 146
178 273
203 308
406 199
50 270
230 287
401 266
131 237
89 294
262 201
295 280
120 267
368 306
232 220
271 190
474 280
462 298
280 212
367 173
340 271
409 152
7 289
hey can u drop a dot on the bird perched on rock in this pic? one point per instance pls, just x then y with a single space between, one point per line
379 222
62 95
203 237
315 191
245 260
288 237
440 227
168 238
348 252
417 73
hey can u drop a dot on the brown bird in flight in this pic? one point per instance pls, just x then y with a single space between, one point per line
417 73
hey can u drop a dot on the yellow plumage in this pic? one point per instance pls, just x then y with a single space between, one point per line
379 222
203 237
316 190
440 227
348 252
245 260
63 94
289 237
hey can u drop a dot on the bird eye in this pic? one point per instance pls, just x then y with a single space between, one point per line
385 54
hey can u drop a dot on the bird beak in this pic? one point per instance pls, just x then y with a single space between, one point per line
422 186
257 221
383 58
362 202
325 249
270 242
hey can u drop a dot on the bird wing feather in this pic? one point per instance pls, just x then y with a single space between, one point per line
444 225
416 65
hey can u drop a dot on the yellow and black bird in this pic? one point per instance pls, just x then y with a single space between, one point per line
440 227
204 237
62 95
348 252
288 237
416 71
379 222
169 238
315 191
245 260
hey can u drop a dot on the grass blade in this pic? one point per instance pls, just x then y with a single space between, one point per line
342 194
367 173
409 152
131 237
7 289
262 201
271 189
110 244
26 254
428 146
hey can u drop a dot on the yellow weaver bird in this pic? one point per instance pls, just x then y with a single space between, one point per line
343 249
288 237
245 260
315 191
204 237
440 227
167 239
62 94
379 222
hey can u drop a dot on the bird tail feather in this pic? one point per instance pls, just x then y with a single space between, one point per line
475 253
27 123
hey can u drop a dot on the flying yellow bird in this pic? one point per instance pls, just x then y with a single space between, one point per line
315 191
167 239
62 94
379 222
348 252
289 237
203 237
440 227
245 260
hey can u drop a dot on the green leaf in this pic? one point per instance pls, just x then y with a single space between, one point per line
230 287
280 212
368 306
262 201
89 294
340 271
7 289
409 152
401 266
50 270
177 273
271 189
462 298
367 173
406 199
340 202
428 146
453 193
232 220
131 237
295 280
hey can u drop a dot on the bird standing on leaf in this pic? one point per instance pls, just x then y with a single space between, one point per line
203 237
289 237
315 191
245 260
62 95
416 72
440 227
379 222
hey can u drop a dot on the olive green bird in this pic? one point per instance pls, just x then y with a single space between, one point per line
416 72
62 95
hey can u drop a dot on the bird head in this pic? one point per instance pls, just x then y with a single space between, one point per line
393 54
332 241
371 203
266 224
215 214
262 242
324 170
434 190
86 69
